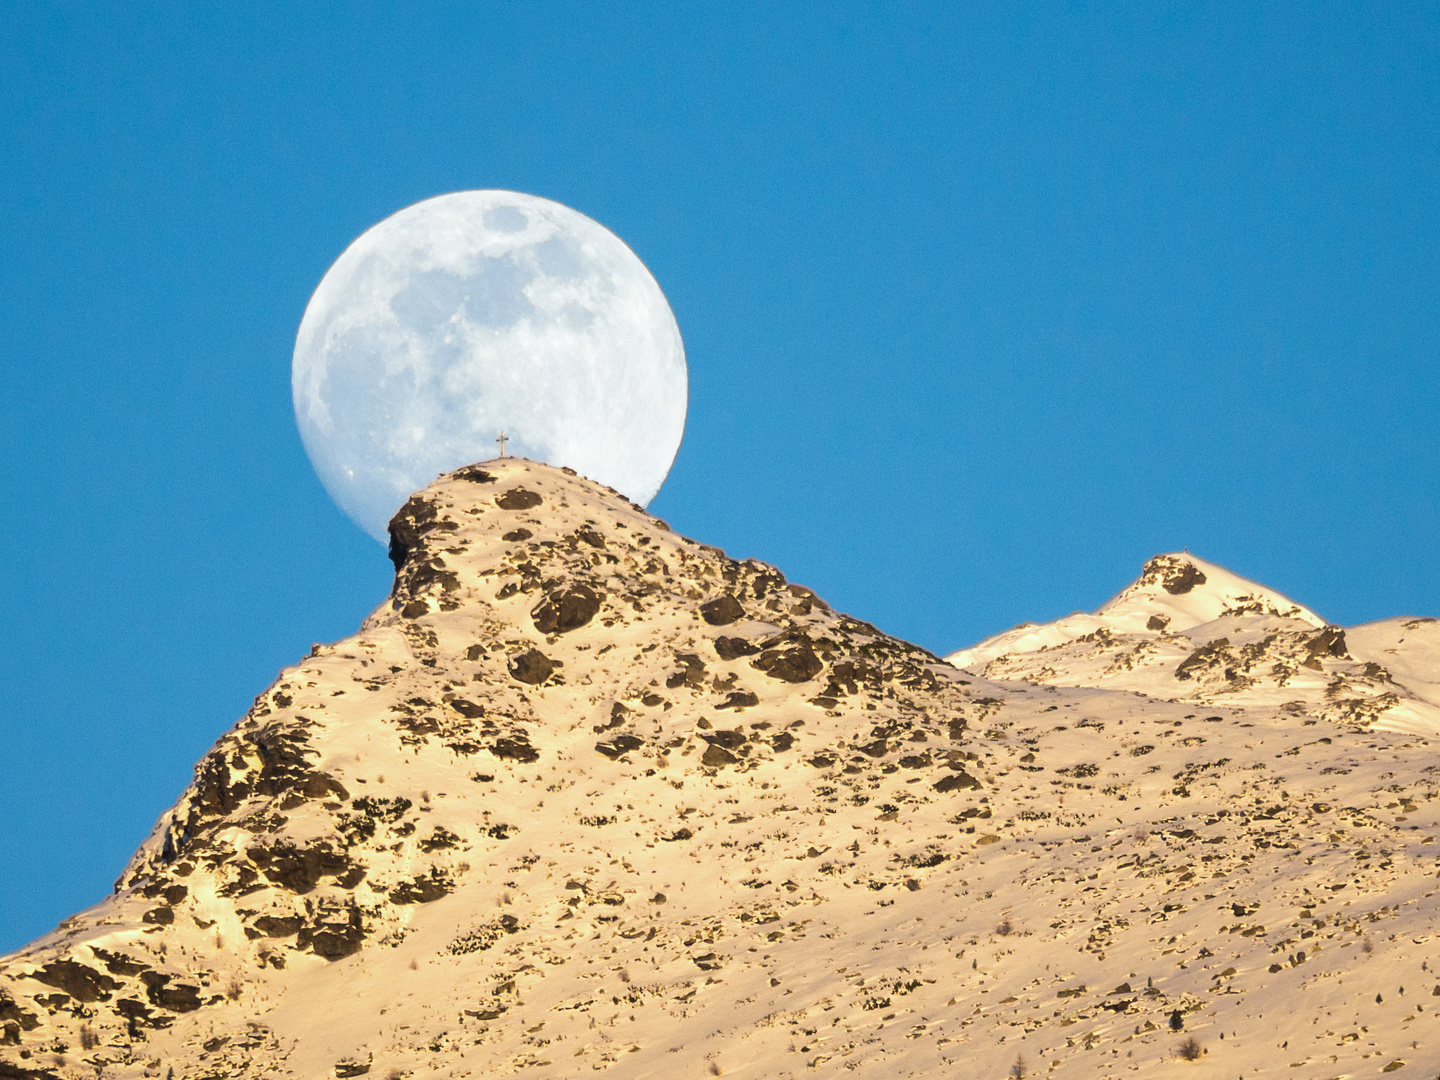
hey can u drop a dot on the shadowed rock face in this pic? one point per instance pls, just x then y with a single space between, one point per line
586 795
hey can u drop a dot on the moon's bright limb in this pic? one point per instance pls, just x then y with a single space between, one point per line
477 312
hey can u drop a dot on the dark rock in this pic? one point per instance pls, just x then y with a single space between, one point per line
739 699
782 742
732 648
1157 622
691 675
338 933
299 869
160 916
468 709
955 781
11 1071
410 523
1203 658
422 890
11 1013
567 609
621 744
722 611
474 474
518 499
716 756
516 748
278 925
440 838
515 535
1178 576
84 984
164 993
794 665
115 963
730 740
1328 642
532 667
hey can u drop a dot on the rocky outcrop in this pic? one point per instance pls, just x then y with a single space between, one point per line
583 795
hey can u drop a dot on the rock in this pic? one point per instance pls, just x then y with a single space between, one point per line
732 648
1157 622
730 740
408 525
1204 658
793 665
621 744
955 781
299 869
421 890
278 926
722 611
716 756
338 933
1328 642
1178 576
165 993
532 667
739 699
566 609
515 748
82 983
517 499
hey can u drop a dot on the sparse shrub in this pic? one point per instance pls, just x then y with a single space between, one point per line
714 1068
1006 927
233 989
88 1037
1367 946
1018 1070
1189 1050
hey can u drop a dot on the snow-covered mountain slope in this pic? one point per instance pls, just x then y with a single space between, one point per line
586 797
1187 630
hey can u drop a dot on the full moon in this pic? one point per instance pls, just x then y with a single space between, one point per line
479 312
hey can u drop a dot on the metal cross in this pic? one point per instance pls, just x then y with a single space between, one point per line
502 440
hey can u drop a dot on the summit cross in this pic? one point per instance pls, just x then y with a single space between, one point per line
502 439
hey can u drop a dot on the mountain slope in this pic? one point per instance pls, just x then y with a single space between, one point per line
586 796
1188 630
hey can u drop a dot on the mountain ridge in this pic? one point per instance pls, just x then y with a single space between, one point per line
587 796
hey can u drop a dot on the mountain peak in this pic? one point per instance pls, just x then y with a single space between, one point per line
1191 630
586 796
1182 591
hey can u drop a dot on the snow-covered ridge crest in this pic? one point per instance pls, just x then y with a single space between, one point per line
1176 591
1191 630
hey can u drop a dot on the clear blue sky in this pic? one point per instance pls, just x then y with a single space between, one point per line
984 304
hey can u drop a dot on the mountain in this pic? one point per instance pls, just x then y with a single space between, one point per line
585 796
1188 630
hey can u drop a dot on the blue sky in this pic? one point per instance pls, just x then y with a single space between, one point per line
983 305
